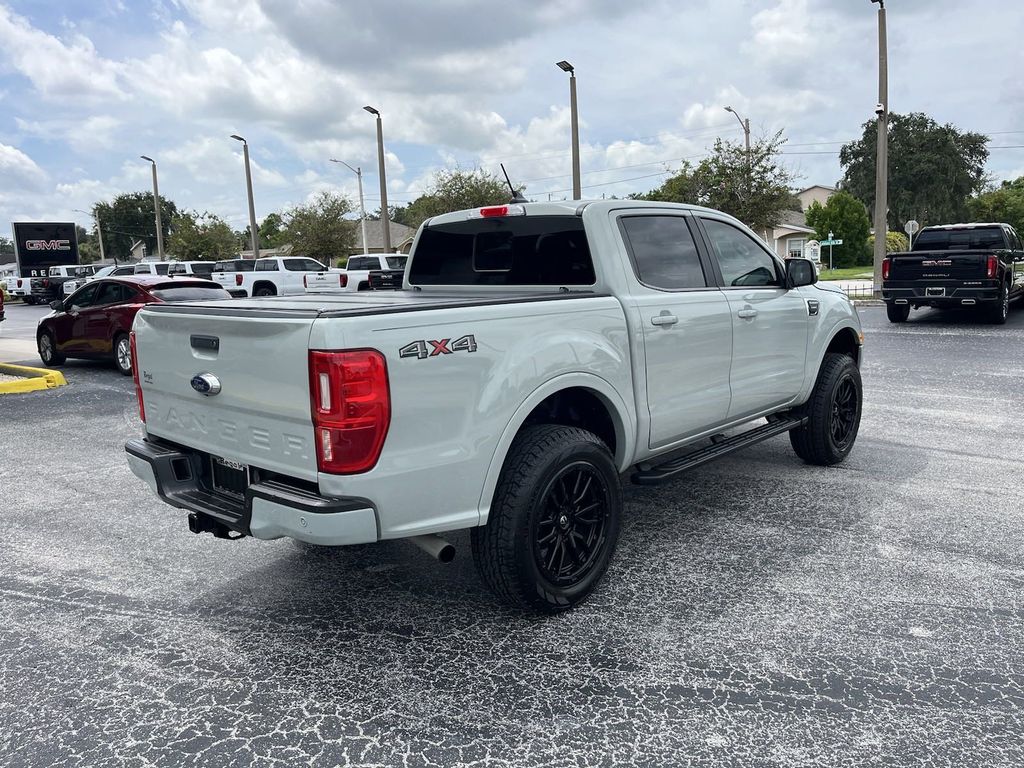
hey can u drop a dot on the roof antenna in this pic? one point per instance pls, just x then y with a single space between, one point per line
517 196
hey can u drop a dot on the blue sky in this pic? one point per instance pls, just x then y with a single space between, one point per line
86 87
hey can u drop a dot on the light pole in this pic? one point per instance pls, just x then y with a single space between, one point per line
362 208
882 150
577 191
99 233
156 207
830 250
745 125
252 205
385 218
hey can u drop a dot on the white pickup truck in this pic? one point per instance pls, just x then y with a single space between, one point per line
537 352
356 275
269 276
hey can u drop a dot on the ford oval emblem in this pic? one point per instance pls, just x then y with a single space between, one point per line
206 384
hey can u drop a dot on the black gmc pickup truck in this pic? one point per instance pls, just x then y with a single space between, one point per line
956 265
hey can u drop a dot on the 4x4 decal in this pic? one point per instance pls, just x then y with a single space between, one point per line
425 348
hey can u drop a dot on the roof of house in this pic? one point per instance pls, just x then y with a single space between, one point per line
816 186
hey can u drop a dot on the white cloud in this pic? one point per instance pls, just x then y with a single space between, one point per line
58 70
20 172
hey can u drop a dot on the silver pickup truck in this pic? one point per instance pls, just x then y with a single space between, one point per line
536 353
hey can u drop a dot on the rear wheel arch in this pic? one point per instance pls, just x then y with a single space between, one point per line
262 285
562 401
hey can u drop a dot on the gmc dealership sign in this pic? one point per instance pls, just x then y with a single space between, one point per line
41 245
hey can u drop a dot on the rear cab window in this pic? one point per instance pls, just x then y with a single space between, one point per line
975 239
504 251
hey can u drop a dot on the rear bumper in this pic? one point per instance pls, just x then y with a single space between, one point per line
939 295
270 509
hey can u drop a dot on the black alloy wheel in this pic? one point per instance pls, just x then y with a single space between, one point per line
845 411
832 413
569 530
554 520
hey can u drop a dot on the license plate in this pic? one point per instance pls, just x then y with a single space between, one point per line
229 476
935 291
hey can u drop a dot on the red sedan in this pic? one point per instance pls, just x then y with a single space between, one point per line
95 320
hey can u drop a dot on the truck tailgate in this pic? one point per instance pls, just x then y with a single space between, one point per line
261 415
939 265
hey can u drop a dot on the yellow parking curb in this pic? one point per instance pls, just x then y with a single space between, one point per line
32 379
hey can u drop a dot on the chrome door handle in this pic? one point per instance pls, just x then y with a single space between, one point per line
747 313
664 320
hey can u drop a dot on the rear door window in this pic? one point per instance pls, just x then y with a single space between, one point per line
266 266
982 238
512 250
396 262
663 252
109 293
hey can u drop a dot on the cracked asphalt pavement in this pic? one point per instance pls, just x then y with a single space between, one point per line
758 611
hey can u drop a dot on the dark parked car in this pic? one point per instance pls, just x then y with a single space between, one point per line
956 265
95 320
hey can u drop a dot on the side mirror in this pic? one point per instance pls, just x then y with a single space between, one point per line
800 272
57 304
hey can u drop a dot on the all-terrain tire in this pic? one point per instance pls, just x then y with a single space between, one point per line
833 413
897 313
542 512
264 290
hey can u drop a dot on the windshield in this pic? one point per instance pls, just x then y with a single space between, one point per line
980 239
507 250
172 293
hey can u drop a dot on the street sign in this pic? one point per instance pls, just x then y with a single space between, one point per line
911 227
831 242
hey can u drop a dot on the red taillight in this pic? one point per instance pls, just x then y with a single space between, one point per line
135 376
19 283
46 282
342 279
351 407
886 266
238 279
993 267
494 210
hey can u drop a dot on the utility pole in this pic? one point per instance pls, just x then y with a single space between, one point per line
156 208
362 208
252 206
882 150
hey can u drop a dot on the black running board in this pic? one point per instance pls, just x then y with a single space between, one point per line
652 474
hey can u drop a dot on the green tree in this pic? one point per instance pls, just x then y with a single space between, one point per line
88 245
933 169
1004 204
319 229
894 242
454 191
271 231
846 218
6 249
130 217
754 189
201 237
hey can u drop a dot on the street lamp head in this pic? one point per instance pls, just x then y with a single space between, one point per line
565 66
730 109
148 159
236 137
372 111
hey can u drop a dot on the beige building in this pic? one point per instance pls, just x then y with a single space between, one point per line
401 238
817 194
